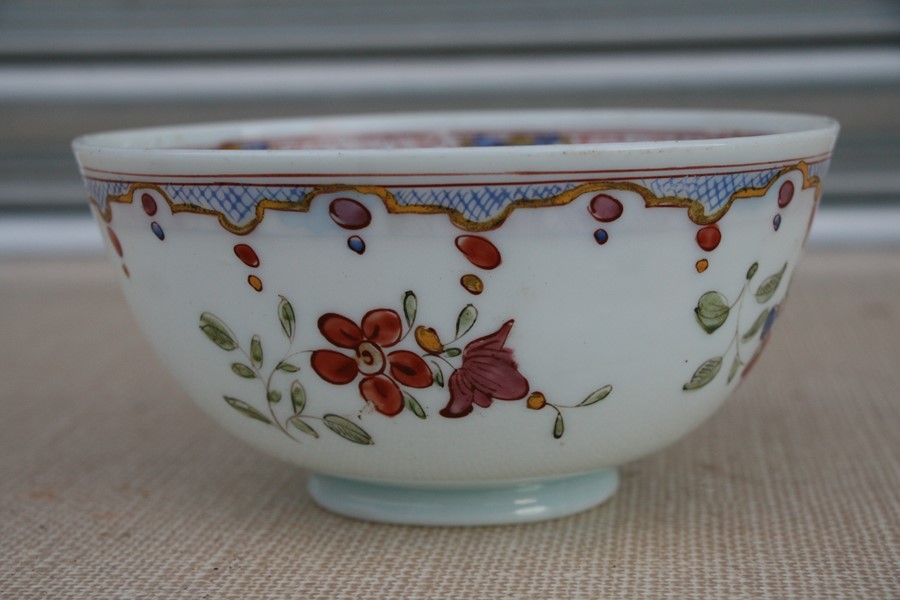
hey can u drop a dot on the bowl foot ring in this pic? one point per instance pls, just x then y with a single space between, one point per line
462 506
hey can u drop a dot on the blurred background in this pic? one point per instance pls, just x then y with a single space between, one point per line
68 68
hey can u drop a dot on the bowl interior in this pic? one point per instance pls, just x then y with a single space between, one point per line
466 130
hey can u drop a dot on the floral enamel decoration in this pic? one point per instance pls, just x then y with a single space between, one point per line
488 372
298 419
482 371
713 311
382 373
368 355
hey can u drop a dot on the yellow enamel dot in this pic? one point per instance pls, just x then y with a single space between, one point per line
428 340
536 401
255 282
472 283
702 265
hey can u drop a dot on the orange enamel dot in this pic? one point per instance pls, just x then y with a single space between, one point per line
702 265
536 401
472 283
428 340
255 282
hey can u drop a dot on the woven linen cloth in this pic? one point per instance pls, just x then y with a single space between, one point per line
113 485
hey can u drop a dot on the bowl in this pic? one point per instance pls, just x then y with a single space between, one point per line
460 318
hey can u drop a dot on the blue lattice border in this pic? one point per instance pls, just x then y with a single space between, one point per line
241 207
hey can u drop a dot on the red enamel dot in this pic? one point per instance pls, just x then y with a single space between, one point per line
709 237
349 213
149 204
605 208
785 194
480 251
115 240
247 255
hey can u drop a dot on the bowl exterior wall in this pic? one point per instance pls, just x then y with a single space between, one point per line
461 327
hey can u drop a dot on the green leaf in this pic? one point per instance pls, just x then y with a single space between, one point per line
597 396
413 405
346 429
752 271
246 409
704 373
303 426
712 311
287 367
735 365
451 352
274 396
438 374
757 325
286 317
243 370
466 320
298 397
767 288
217 331
559 428
410 305
256 353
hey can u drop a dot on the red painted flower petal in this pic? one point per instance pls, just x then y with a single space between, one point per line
461 397
409 369
491 369
383 393
382 326
340 330
492 342
482 399
497 375
334 367
479 250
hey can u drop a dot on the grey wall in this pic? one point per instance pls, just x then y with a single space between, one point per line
68 68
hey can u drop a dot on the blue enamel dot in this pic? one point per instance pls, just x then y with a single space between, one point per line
776 222
601 236
356 244
157 230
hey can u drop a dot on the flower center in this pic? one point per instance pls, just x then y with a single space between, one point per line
370 359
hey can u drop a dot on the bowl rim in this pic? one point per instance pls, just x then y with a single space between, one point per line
187 148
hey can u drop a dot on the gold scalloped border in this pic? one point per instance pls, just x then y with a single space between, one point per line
695 209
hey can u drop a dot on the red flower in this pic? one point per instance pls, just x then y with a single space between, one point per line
381 328
488 373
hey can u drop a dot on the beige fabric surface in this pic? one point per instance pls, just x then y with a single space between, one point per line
112 485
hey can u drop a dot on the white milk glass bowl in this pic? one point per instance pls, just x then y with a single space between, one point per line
460 318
